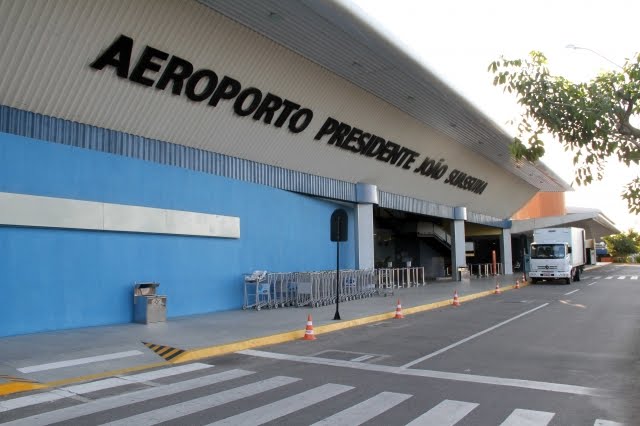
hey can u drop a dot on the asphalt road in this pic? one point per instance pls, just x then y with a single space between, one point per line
545 354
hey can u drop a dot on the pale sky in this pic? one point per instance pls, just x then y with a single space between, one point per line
458 39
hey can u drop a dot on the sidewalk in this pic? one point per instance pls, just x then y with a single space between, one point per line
56 358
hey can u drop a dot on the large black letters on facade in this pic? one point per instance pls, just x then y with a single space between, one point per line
200 85
155 68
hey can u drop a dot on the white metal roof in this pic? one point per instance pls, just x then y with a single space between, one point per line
332 36
593 221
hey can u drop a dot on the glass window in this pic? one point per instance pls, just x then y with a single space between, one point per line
547 251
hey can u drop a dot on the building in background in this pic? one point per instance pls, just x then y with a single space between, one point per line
188 143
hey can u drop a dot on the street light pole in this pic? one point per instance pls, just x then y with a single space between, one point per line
574 47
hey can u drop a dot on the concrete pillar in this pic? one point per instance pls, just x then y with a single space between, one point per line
505 249
364 236
366 196
458 257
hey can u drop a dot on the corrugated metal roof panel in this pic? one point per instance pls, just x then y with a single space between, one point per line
38 126
332 36
52 129
70 34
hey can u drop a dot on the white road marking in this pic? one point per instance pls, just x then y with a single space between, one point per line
447 413
110 383
608 278
364 411
186 408
78 361
73 390
528 418
471 378
597 277
363 358
571 292
167 372
622 277
438 352
275 410
634 277
607 423
117 401
591 284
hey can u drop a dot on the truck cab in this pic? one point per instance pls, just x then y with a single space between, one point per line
553 256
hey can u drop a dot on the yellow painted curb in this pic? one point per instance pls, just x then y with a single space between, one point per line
207 352
14 387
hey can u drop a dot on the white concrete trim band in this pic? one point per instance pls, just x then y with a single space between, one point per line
50 212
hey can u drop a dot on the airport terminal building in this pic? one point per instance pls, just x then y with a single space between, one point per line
190 142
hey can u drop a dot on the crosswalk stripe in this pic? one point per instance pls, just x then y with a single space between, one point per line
597 277
285 406
167 372
607 423
117 401
622 277
78 361
521 417
608 278
110 383
634 277
366 410
447 413
200 404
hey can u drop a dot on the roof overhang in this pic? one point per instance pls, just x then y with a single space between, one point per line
338 39
594 222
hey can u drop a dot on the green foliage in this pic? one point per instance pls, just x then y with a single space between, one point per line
623 245
591 119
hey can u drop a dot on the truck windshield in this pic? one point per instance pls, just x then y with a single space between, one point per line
547 251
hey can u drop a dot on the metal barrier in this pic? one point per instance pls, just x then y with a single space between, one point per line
485 269
400 277
313 289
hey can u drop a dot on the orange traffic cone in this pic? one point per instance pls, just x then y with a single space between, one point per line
399 311
456 302
497 290
308 333
517 284
524 277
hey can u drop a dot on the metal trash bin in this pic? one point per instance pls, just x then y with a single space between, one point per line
464 274
148 307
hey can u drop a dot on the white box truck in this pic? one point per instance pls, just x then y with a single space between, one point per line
557 254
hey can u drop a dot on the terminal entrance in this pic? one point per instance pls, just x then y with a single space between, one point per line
404 239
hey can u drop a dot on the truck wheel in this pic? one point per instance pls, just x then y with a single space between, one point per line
577 277
534 280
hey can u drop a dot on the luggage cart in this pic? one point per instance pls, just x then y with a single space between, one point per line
304 289
367 281
257 289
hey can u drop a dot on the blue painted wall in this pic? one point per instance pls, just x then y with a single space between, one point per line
55 278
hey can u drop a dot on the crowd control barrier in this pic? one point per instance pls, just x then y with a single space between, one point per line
486 269
273 290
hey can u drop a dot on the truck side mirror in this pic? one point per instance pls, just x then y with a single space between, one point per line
569 250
